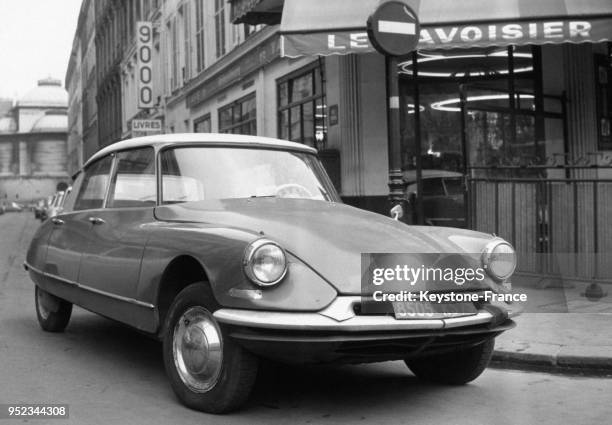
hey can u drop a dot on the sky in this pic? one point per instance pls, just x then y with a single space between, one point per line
35 42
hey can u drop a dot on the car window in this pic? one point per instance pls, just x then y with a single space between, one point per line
133 184
72 193
433 187
454 186
93 189
200 173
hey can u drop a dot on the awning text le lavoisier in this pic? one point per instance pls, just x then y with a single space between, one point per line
311 30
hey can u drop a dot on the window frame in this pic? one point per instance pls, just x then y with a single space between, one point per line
114 169
200 35
312 68
510 83
238 102
201 119
325 180
70 199
111 175
220 36
106 188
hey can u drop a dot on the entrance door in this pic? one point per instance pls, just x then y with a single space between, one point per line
442 195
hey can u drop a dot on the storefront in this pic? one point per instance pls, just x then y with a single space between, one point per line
517 105
505 112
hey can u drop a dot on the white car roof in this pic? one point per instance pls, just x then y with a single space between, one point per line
204 138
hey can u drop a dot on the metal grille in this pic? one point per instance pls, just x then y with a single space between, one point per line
557 226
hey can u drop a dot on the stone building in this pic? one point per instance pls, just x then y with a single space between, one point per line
33 134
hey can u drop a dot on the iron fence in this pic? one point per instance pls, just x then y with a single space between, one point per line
561 226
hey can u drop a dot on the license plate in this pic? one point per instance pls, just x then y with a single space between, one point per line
430 310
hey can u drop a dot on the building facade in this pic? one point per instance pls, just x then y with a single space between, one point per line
111 29
89 80
82 84
33 144
516 102
75 108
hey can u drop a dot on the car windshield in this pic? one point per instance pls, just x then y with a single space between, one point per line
201 173
454 186
433 187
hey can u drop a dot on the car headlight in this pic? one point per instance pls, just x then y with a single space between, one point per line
499 259
265 262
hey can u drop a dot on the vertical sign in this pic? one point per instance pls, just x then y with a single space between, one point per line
144 46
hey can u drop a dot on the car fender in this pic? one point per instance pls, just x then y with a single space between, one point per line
220 252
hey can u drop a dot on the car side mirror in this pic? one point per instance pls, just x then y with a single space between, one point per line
397 212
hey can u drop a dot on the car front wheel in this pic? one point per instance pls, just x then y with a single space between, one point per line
207 370
53 313
456 367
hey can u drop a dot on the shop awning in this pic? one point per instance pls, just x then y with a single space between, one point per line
327 27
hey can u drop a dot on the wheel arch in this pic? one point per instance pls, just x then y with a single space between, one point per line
180 272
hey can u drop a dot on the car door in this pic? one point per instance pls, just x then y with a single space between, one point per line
111 259
71 228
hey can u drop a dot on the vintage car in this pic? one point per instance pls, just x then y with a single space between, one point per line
48 204
39 208
57 204
443 196
231 248
12 207
54 205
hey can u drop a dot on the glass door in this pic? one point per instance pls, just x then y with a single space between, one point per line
500 129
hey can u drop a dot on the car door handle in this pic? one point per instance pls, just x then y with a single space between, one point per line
57 221
96 220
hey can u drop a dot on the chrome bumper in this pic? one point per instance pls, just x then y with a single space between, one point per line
339 316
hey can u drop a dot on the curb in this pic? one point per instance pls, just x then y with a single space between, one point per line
555 358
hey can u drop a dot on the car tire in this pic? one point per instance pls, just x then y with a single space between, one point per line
455 368
53 313
217 380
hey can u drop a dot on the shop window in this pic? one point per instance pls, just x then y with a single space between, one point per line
477 101
202 124
302 106
239 117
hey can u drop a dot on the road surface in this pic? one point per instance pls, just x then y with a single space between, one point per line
109 374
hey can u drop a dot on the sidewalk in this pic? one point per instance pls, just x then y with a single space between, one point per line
560 330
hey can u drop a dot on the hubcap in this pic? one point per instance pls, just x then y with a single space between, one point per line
197 347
